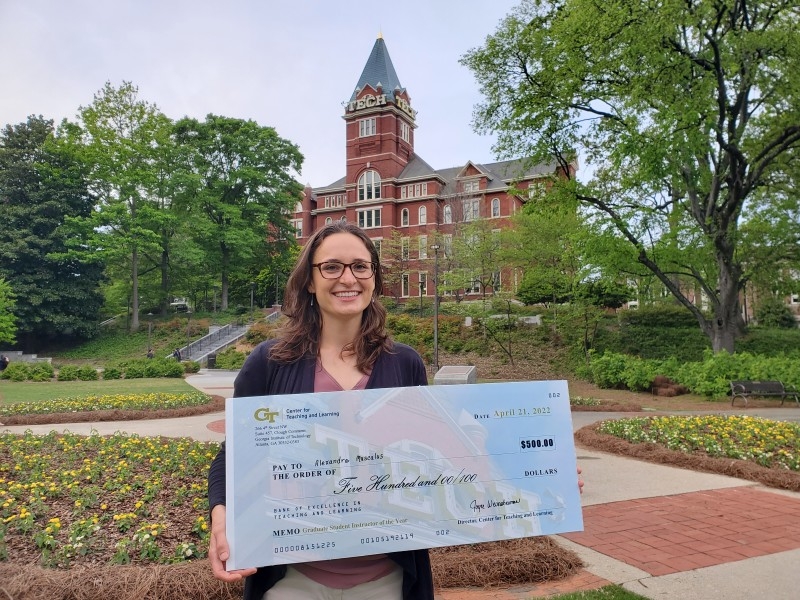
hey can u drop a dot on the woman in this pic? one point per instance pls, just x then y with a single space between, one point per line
335 339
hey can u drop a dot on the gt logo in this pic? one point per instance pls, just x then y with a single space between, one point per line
265 414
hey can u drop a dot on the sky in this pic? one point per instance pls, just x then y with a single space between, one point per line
287 64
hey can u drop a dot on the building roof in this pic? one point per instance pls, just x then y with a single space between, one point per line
499 175
379 70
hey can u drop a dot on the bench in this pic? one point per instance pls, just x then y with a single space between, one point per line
774 389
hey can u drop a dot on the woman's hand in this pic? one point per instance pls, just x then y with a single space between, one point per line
218 550
580 480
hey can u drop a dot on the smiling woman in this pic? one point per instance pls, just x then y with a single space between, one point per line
334 339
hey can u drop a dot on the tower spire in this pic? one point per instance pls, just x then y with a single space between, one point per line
379 69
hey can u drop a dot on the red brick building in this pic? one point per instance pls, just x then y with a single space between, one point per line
396 196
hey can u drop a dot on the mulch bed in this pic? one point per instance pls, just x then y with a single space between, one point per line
216 404
786 480
606 407
529 560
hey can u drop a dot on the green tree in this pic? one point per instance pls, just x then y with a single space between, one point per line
41 185
117 139
686 107
239 184
8 327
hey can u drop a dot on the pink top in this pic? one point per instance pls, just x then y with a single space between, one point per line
344 573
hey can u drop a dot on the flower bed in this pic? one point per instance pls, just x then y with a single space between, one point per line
67 499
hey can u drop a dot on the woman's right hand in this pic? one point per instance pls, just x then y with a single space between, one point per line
218 550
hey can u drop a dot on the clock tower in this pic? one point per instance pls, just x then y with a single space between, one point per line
379 128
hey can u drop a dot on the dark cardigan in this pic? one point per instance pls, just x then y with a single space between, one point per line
260 376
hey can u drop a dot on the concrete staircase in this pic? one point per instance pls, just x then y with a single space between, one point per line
214 342
217 341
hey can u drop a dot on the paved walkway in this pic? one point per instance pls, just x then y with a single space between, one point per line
659 531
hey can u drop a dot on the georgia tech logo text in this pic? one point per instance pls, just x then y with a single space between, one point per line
265 414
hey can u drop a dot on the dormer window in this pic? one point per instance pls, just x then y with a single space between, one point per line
369 186
470 186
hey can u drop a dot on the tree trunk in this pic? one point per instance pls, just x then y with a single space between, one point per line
727 323
225 265
135 290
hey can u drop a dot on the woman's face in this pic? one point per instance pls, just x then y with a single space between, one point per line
345 296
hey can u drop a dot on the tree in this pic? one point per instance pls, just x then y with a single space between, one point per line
239 182
116 138
41 185
687 107
476 246
8 327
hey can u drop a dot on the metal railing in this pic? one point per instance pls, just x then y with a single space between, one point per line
214 341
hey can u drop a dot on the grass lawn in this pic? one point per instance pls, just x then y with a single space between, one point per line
26 391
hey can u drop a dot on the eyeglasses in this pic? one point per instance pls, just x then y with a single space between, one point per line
334 269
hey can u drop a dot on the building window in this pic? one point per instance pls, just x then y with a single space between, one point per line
423 215
495 207
334 201
369 186
448 214
298 208
415 190
536 189
328 221
474 287
423 283
404 245
404 286
297 225
366 127
368 219
404 217
343 219
448 244
470 186
423 247
471 209
405 132
378 245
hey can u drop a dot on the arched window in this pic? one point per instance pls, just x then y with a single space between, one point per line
495 207
369 186
404 217
328 221
423 215
448 214
298 207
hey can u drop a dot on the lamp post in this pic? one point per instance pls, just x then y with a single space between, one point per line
252 291
435 248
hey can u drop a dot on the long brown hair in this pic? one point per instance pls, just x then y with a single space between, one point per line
300 335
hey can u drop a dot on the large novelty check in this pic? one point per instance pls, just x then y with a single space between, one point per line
340 474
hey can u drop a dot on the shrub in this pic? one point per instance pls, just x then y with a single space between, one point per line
136 369
230 359
774 313
659 315
16 371
87 373
68 373
190 366
112 373
41 371
768 341
260 332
